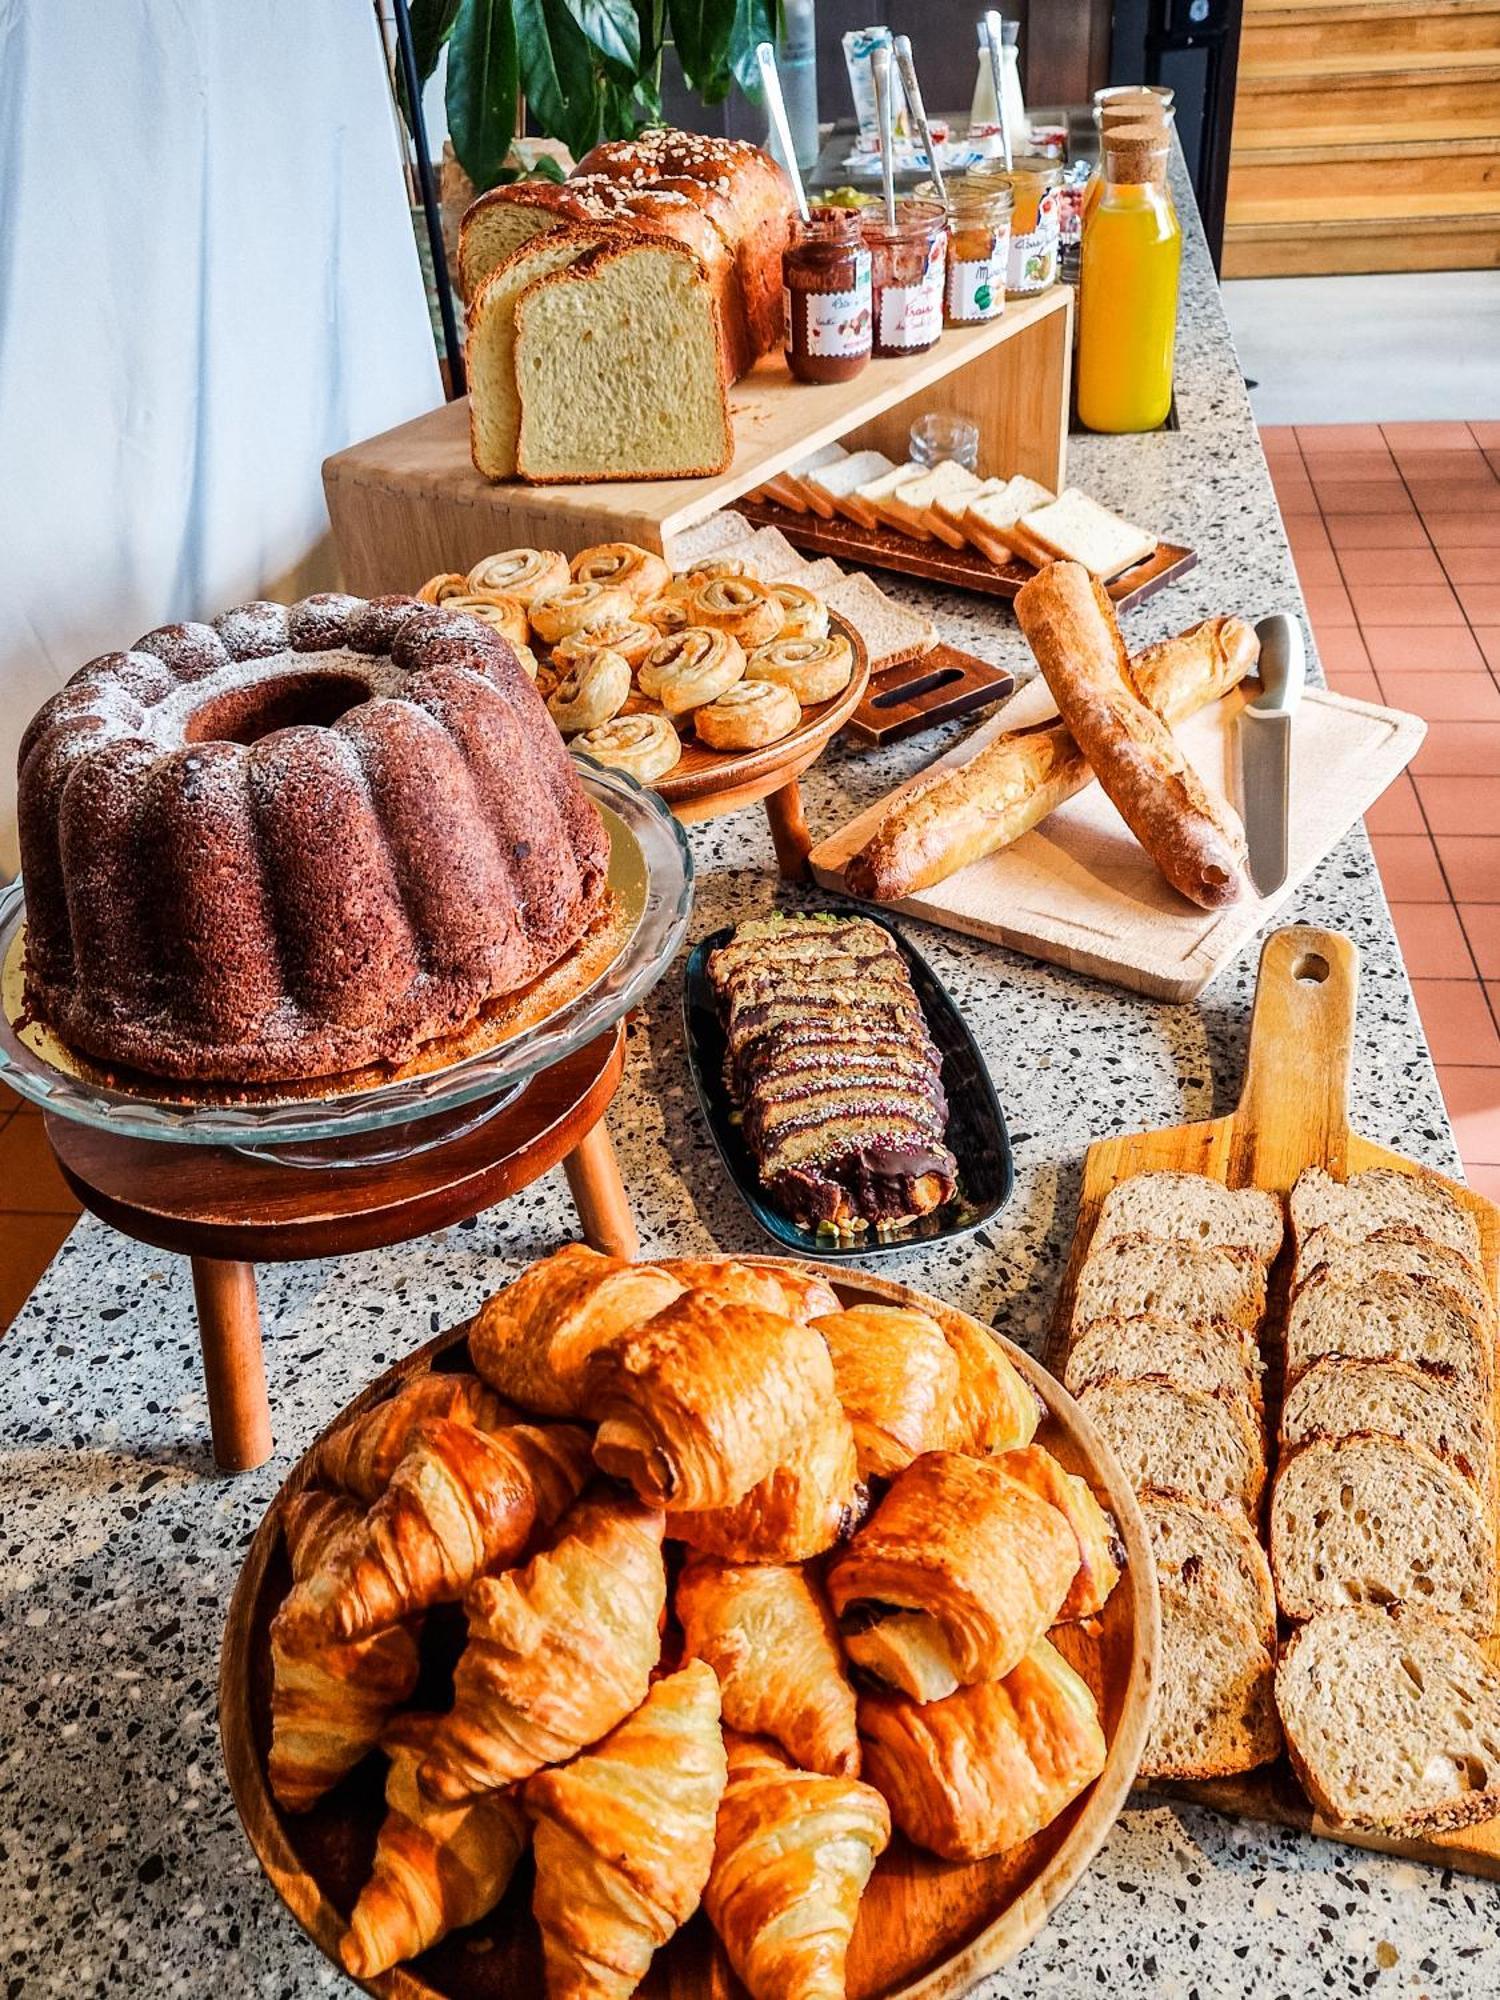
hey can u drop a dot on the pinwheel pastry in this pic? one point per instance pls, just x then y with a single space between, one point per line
625 1839
792 1855
687 669
558 1652
628 637
593 689
768 1635
576 605
359 1457
646 747
436 1867
329 1700
959 1571
814 668
989 1766
1093 1530
747 716
627 566
739 605
523 573
896 1377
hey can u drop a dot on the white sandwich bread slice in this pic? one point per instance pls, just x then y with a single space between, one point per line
1204 1445
800 476
707 538
1074 528
1191 1208
1337 1397
782 491
990 516
1208 1552
814 575
1141 1274
1195 1354
1378 1200
1393 1316
1392 1720
494 405
878 497
1215 1710
917 499
839 482
892 633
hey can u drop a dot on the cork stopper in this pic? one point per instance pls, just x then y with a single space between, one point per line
1136 155
1143 109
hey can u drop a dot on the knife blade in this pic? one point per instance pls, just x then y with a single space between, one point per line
1265 739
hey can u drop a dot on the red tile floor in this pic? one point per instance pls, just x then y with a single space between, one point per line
1396 533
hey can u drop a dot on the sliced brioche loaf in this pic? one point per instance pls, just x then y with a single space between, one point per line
1372 1520
1140 1274
1388 1317
1392 1719
1215 1707
1337 1397
1399 1251
1196 1354
1378 1200
1191 1208
494 406
1205 1446
1208 1552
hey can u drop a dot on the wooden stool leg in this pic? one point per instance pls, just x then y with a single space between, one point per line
789 830
239 1412
599 1195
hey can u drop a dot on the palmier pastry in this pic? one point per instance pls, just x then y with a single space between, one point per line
644 746
439 589
804 614
629 637
747 715
578 604
523 573
633 568
692 668
591 692
739 605
505 615
814 669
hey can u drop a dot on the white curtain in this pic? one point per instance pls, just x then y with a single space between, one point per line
208 282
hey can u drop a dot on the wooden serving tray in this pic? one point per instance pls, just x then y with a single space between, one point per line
937 686
1293 1113
963 569
927 1930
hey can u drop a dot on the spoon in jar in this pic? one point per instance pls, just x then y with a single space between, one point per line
908 72
880 72
770 78
994 29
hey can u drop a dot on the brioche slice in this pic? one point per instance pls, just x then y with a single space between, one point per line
1397 1251
494 405
1371 1520
1196 1354
800 478
1204 1446
1140 1274
1390 1317
491 232
621 369
838 483
1392 1720
1191 1208
1215 1698
990 517
1336 1398
1378 1200
1210 1553
878 497
1074 528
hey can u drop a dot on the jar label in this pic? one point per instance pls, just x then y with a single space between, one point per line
837 322
912 315
976 287
1032 264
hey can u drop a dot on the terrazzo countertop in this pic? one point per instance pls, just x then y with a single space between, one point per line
122 1865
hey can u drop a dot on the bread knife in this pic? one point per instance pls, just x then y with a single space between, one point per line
1266 748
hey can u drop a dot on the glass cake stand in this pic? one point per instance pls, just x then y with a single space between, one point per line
388 1114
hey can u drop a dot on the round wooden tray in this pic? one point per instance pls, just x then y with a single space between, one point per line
928 1929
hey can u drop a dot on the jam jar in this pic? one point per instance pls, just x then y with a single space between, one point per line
907 264
978 244
825 278
1032 262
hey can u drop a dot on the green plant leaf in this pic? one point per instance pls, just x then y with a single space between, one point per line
613 29
431 24
564 85
701 34
755 21
483 79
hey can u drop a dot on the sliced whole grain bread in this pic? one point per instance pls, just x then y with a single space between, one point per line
1191 1208
1392 1720
1337 1397
1141 1274
1373 1520
1207 1447
1211 1552
1389 1316
1196 1354
1399 1252
1381 1199
1215 1707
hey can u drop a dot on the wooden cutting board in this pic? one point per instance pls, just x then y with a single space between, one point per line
1080 891
1293 1113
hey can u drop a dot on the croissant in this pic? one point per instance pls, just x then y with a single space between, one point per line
1098 1568
459 1502
359 1457
768 1635
994 1407
625 1839
896 1378
436 1867
704 1400
955 1576
558 1652
792 1854
989 1766
329 1702
773 1287
810 1502
531 1340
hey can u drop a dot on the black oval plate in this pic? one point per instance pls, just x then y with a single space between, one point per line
976 1132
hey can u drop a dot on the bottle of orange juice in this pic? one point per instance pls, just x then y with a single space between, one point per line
1127 316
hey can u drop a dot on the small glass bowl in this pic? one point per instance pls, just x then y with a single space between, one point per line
940 434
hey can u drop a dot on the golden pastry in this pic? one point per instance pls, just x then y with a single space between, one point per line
804 614
505 615
523 573
531 667
576 605
803 1506
594 689
438 589
630 637
635 569
691 668
814 669
547 680
720 565
748 715
994 1408
739 605
798 1294
360 1456
667 613
896 1378
646 747
1098 1563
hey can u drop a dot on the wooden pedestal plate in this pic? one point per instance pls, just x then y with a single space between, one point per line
228 1210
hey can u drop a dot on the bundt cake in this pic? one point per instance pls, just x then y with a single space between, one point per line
297 841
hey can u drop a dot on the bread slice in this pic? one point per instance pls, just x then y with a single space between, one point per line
817 575
1209 1553
621 370
947 480
1141 1274
491 232
952 507
1397 1251
1074 528
1392 1720
1191 1208
1378 1200
878 497
799 477
837 483
723 530
891 632
1337 1397
1206 1446
990 516
494 405
783 492
1387 1316
1215 1698
1196 1354
1371 1520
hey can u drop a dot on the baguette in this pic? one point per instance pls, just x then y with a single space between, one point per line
1195 840
958 816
